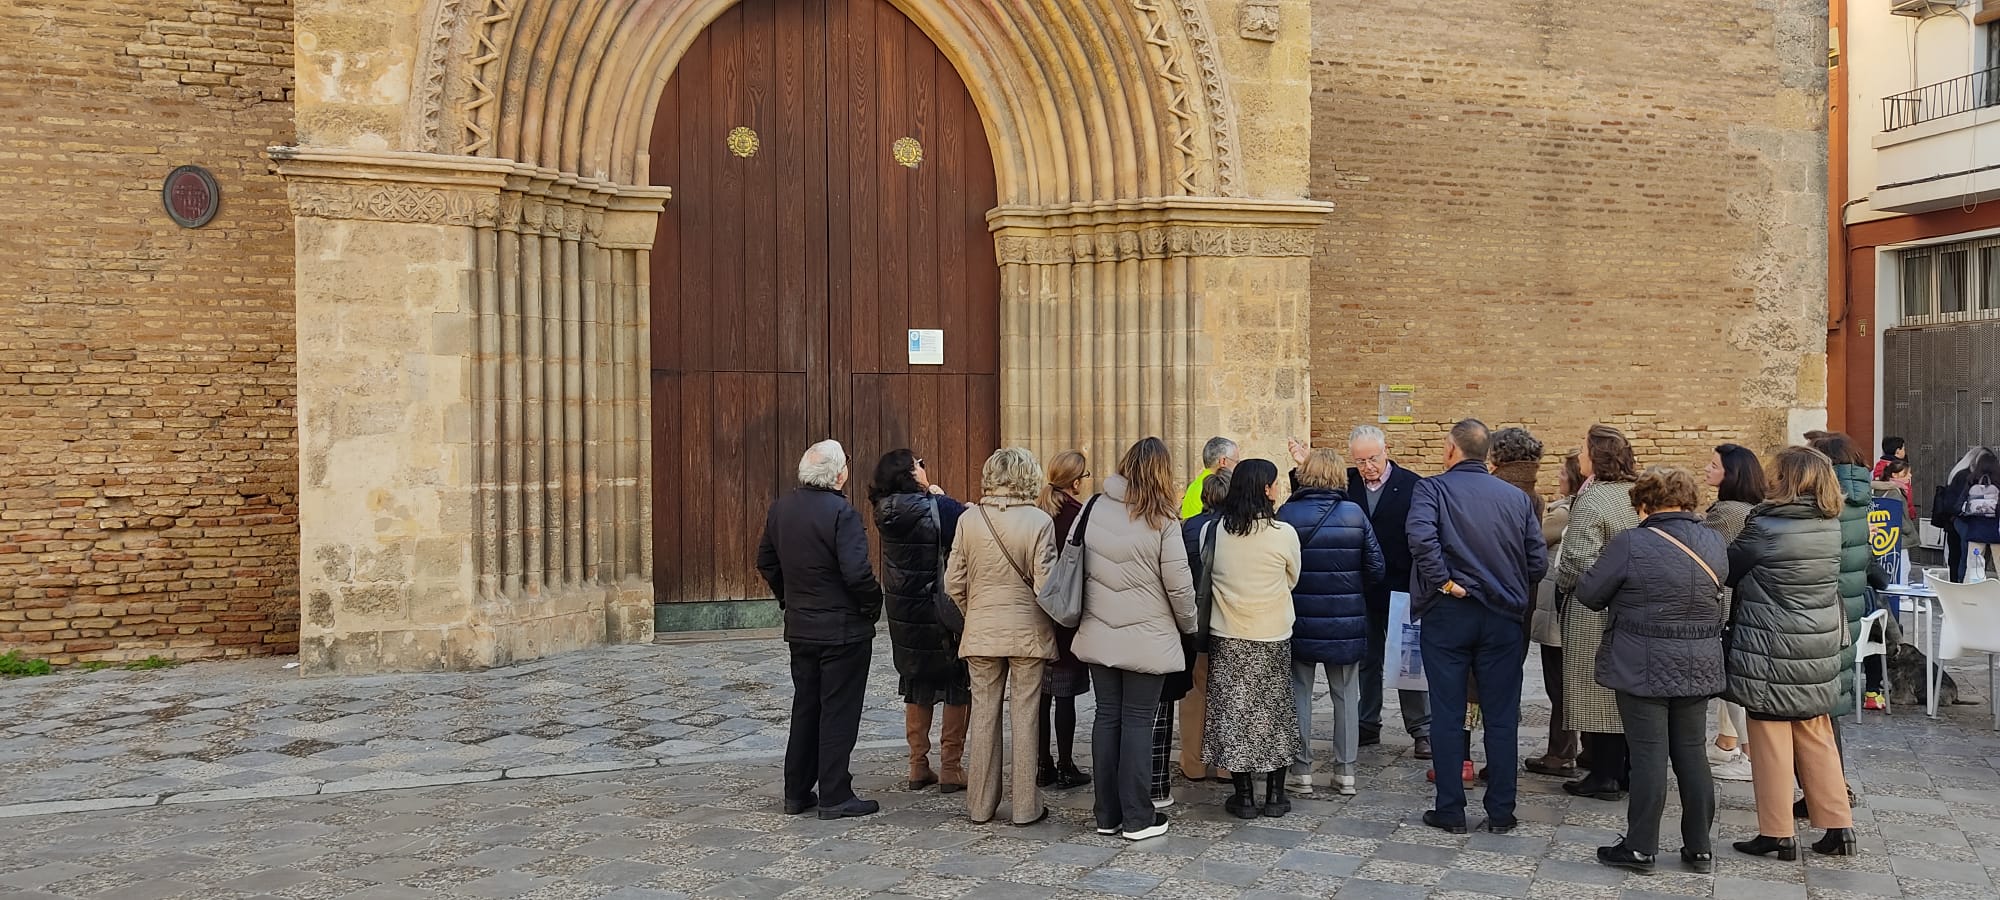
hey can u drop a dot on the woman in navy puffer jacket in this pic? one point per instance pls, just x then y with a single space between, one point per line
1340 557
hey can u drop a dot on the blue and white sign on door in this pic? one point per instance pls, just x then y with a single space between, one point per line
926 346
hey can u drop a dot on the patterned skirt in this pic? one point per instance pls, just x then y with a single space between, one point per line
1587 705
1251 724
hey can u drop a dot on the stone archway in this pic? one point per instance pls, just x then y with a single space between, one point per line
472 303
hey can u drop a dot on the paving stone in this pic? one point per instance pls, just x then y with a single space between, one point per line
1319 863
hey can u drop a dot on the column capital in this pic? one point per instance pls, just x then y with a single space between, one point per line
435 189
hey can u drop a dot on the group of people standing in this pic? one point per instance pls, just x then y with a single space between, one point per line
1231 603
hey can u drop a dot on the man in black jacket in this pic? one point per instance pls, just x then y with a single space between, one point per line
1476 552
1383 489
815 557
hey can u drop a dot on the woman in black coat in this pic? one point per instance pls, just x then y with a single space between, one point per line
1662 657
916 521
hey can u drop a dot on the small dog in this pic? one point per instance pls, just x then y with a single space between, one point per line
1907 668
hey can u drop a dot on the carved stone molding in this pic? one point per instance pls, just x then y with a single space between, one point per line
1157 228
433 189
393 203
1214 92
1258 20
1152 242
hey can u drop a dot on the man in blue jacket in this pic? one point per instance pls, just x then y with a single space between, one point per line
1477 552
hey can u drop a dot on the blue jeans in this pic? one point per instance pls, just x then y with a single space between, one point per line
1461 637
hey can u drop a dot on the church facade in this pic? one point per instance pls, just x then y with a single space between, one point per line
516 313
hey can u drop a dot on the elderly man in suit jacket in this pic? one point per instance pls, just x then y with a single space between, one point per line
1383 489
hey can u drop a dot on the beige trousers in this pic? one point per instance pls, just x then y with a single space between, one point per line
1017 681
1194 716
1778 750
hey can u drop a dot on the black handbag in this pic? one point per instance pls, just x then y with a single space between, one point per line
1204 587
948 613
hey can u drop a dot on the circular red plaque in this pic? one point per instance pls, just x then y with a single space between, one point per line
191 196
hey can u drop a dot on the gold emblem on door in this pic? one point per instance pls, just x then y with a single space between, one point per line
908 153
743 141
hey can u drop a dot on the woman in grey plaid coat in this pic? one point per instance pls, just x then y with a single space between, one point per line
1602 510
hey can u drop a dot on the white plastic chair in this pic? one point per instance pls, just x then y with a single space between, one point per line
1971 622
1874 641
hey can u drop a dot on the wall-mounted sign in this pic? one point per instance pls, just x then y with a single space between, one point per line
191 196
1885 524
926 346
1396 403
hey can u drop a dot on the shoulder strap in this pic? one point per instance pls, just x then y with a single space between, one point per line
1082 519
1691 554
1009 557
937 525
1307 540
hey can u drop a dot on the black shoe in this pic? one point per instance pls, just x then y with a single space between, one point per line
1589 786
1837 842
1507 827
1158 828
1423 748
1482 774
1038 817
795 807
1625 857
1275 804
1370 736
1799 809
1700 862
854 807
1786 848
1553 766
1243 803
1045 774
1439 822
1070 776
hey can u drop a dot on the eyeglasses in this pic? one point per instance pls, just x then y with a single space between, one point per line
920 462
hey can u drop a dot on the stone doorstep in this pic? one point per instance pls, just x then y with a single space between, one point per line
396 781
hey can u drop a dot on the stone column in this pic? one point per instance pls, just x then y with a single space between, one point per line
471 395
1180 317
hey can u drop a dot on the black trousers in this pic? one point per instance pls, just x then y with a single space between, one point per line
1660 730
828 682
1121 746
1609 759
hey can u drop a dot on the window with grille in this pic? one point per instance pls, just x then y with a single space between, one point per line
1951 282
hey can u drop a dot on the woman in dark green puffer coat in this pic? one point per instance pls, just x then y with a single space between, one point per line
1851 466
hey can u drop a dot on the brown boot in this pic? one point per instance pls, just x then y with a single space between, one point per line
951 754
917 730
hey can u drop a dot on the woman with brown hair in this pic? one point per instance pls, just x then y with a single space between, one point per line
1599 512
1138 599
1787 632
1661 586
1067 678
1253 724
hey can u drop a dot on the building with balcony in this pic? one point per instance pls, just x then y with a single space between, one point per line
1914 191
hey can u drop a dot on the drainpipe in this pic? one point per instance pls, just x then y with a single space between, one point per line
1837 305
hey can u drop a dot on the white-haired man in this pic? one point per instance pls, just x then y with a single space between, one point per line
1384 490
815 557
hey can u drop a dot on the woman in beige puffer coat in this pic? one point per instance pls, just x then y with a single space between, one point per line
1138 600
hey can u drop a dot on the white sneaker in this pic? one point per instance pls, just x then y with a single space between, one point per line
1717 756
1159 827
1737 769
1164 802
1345 783
1299 785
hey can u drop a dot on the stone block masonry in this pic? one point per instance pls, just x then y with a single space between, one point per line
148 466
1552 216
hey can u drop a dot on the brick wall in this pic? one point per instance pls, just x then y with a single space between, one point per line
1553 215
147 460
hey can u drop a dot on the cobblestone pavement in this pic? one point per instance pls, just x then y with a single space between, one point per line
704 723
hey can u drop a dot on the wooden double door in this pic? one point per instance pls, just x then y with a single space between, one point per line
831 179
